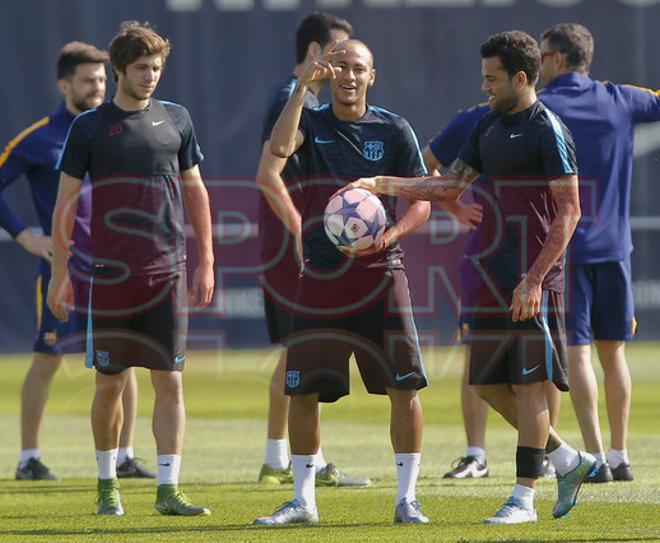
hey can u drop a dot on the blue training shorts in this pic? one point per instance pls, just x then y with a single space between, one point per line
599 303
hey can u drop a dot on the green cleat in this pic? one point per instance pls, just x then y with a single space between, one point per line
569 485
270 476
108 498
331 475
171 501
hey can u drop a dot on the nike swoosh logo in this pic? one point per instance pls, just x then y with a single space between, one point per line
165 465
179 359
514 136
156 123
400 464
322 141
404 377
526 371
309 465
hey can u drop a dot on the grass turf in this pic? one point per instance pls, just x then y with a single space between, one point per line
226 395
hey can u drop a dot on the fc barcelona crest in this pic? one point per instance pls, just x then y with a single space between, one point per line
292 378
102 358
373 150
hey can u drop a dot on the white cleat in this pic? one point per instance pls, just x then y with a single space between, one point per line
409 513
513 512
292 512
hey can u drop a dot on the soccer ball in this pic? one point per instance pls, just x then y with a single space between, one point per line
354 219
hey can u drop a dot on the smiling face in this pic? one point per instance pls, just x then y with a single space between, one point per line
501 89
139 79
354 74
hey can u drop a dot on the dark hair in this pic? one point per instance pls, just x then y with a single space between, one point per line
573 40
133 41
518 52
316 27
75 53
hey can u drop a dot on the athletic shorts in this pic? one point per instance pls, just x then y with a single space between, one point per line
365 312
52 335
142 321
279 281
519 353
599 303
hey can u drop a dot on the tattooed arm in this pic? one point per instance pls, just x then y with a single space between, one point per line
527 295
434 188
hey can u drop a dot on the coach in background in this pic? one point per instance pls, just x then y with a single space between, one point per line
599 299
33 153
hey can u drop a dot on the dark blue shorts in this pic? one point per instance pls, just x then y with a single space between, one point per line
54 336
599 303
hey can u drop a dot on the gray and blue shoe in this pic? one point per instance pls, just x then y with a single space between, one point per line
409 513
569 485
513 512
292 512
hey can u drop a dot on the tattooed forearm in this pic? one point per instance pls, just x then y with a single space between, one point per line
566 196
436 188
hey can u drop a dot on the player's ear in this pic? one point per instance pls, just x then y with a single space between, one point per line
314 49
372 77
63 85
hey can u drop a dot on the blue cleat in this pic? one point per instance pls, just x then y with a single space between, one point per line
409 513
569 485
513 512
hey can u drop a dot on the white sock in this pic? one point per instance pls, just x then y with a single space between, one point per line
304 479
600 459
478 453
319 460
564 458
106 462
525 494
169 466
407 471
277 453
124 454
615 458
26 454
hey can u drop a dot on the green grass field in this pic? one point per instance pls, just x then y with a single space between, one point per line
226 395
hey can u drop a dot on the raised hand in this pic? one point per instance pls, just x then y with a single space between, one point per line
321 68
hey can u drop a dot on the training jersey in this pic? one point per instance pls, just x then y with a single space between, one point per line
134 160
271 229
520 154
336 152
34 153
602 118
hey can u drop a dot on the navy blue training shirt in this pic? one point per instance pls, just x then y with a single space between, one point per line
336 152
134 160
520 154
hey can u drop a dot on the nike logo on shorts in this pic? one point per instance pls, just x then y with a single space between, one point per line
400 378
179 359
156 123
527 371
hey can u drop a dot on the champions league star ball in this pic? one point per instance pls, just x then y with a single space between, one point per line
354 219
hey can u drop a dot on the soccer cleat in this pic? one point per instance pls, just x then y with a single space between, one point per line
409 513
548 469
568 485
171 501
108 497
623 472
292 512
131 468
331 475
513 512
34 470
601 475
467 467
270 476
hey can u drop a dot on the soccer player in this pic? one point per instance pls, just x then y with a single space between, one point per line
443 150
359 304
81 80
599 302
142 158
517 339
281 265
